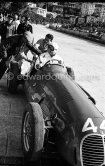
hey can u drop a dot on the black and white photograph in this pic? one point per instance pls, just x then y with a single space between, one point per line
52 83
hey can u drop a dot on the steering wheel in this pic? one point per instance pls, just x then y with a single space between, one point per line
37 66
54 62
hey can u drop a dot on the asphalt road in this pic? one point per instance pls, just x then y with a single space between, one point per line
11 111
88 61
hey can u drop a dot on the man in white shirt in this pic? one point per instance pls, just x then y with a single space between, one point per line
16 22
49 55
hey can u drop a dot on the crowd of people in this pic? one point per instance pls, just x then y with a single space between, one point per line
84 25
17 40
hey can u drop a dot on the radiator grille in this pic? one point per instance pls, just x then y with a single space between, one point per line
93 150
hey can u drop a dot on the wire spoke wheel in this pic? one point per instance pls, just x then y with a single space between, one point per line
27 132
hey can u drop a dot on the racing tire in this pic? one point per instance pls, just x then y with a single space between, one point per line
12 81
70 72
32 133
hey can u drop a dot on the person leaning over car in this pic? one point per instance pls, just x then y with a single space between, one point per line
52 50
7 48
13 45
51 54
24 26
25 56
42 44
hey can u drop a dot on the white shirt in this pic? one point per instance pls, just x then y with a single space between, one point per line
16 22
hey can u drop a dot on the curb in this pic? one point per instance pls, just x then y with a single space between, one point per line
83 35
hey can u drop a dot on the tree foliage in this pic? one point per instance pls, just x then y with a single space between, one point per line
13 6
18 6
5 5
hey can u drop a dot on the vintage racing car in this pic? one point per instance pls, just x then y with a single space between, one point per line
61 119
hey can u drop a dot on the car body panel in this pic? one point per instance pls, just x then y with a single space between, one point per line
77 117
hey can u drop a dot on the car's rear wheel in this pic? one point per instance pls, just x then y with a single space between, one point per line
32 133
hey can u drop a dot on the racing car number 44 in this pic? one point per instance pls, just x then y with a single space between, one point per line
89 125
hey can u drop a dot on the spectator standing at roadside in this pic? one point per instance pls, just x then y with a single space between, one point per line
24 26
1 18
16 22
7 28
22 19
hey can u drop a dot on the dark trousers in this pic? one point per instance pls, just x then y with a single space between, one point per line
3 67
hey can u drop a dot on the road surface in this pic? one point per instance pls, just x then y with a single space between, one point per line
88 61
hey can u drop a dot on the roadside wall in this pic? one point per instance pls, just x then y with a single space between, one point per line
84 35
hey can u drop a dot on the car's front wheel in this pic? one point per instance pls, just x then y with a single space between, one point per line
32 135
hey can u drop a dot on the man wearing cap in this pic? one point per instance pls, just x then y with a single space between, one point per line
7 28
24 26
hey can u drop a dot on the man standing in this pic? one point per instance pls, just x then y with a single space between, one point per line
16 21
1 18
24 26
7 28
